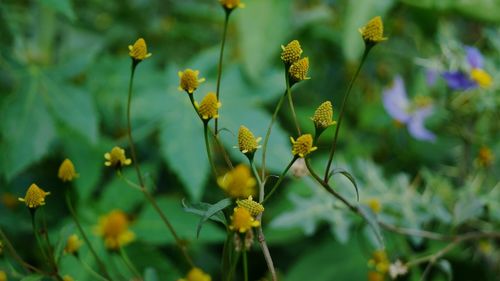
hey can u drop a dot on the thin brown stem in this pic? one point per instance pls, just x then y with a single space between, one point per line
219 70
28 267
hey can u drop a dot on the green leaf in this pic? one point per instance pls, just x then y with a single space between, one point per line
27 129
207 211
35 277
371 219
357 14
150 228
445 266
150 274
258 51
64 7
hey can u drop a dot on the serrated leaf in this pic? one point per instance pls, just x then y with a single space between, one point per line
371 219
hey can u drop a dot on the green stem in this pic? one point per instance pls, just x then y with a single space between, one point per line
219 71
129 263
268 134
209 152
233 267
95 275
28 267
342 110
259 180
148 196
100 264
290 101
245 263
37 237
280 179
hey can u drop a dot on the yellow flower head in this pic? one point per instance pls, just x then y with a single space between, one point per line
373 31
114 230
116 158
291 52
196 274
379 262
485 156
253 207
238 183
189 80
68 278
3 275
247 142
374 205
323 116
139 51
231 4
481 77
73 244
242 220
375 276
35 197
209 107
303 145
298 70
67 171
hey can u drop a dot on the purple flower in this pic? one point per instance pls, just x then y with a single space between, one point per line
399 107
460 80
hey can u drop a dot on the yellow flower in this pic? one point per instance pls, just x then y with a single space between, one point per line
209 107
247 142
114 230
35 197
139 51
67 171
9 200
375 276
291 52
482 78
238 183
373 31
303 145
116 158
485 156
196 274
73 244
68 278
323 116
242 220
379 262
189 81
3 275
298 70
253 207
231 4
374 204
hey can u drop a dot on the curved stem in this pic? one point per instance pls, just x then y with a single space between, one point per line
92 272
148 195
268 134
219 71
290 102
280 179
341 114
100 264
28 267
209 152
129 263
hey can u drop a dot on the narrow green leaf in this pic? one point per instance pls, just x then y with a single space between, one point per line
35 277
64 7
349 177
207 211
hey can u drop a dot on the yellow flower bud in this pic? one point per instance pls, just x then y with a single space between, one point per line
247 142
67 171
323 116
291 52
116 158
196 274
35 197
209 107
189 81
242 221
73 244
373 31
303 145
231 4
482 78
298 70
139 50
238 183
253 207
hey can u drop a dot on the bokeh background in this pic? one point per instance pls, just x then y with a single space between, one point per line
64 75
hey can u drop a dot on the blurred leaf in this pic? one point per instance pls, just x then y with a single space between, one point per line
35 277
349 177
445 266
149 228
258 51
371 219
357 14
27 129
466 208
150 274
65 7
